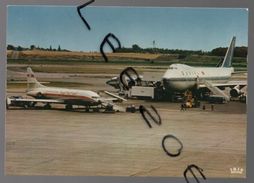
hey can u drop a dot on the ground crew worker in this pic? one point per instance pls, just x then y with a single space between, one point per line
212 107
203 107
182 107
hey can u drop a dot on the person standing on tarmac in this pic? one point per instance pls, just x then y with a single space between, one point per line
182 107
212 107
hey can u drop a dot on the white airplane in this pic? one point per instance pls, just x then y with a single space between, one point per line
68 97
181 77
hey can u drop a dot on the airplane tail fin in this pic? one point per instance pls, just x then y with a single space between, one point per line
227 62
31 80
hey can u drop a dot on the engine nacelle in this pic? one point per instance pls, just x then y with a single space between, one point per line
235 92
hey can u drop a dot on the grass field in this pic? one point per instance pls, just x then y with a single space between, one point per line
121 59
55 55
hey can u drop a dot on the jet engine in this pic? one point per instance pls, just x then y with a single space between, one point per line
235 92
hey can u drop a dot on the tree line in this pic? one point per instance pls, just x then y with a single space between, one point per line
33 47
238 52
221 51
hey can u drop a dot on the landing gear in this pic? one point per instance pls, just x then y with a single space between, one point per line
68 107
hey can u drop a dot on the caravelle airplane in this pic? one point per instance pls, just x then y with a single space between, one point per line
68 97
181 77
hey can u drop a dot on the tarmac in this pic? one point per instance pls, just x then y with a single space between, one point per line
64 143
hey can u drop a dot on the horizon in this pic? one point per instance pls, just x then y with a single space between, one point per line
97 51
170 28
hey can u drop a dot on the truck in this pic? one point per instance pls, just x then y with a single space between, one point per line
141 92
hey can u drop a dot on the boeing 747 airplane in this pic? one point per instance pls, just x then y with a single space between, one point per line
181 77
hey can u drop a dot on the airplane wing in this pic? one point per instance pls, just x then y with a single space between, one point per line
228 84
37 100
216 90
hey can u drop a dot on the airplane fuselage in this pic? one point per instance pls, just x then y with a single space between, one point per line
181 77
68 96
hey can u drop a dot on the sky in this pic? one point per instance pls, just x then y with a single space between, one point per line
172 28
